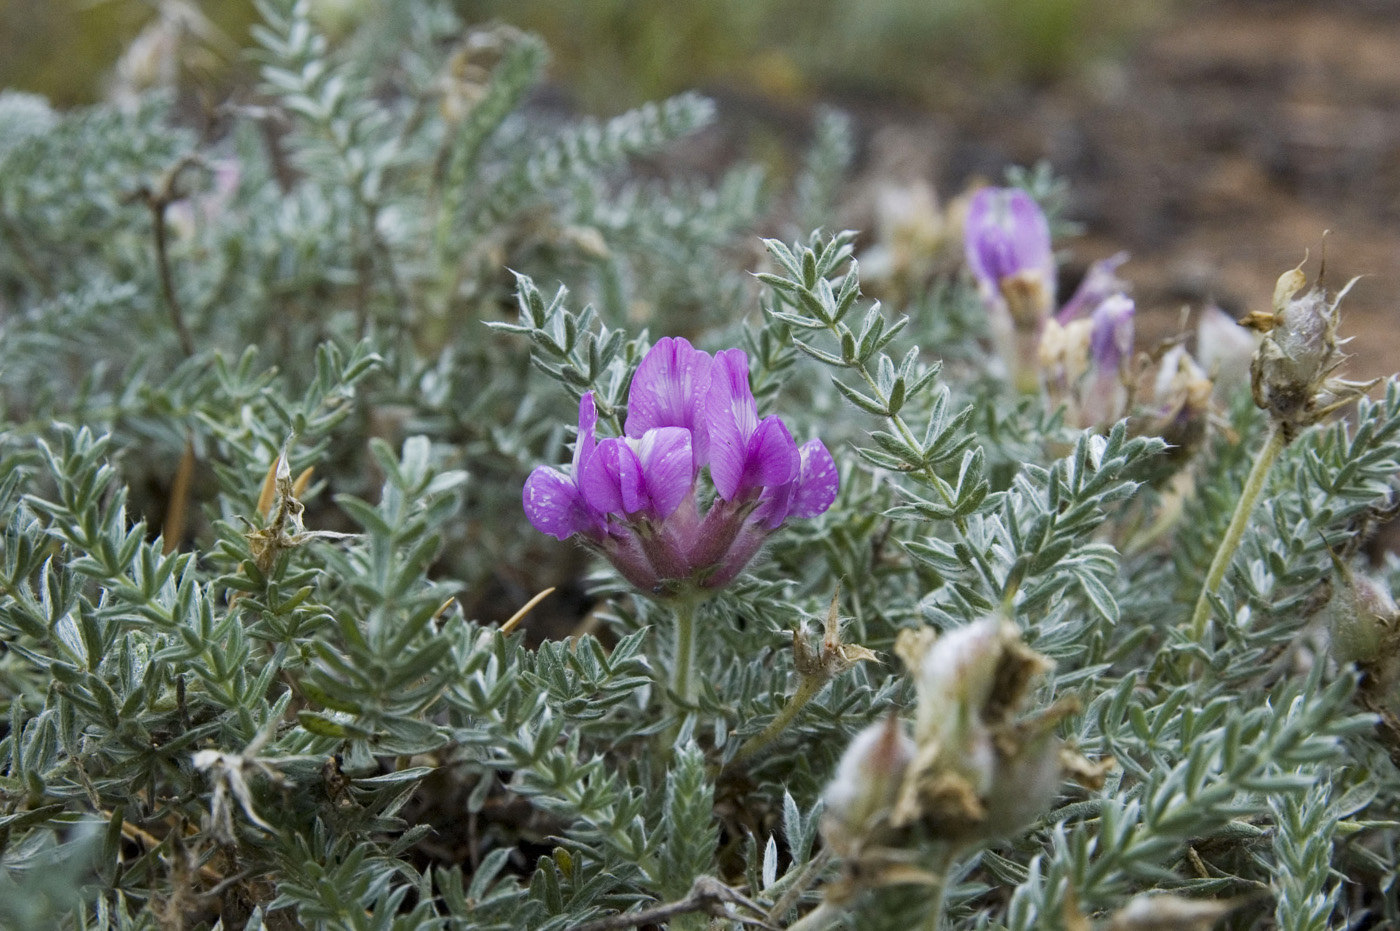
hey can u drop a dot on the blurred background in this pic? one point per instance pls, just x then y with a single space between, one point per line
1215 141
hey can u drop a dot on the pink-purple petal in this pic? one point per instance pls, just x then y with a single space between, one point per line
731 417
667 469
729 403
669 390
773 458
1111 333
728 453
554 505
774 505
612 479
587 432
818 482
1100 282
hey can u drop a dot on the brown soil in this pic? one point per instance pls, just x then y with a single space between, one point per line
1218 154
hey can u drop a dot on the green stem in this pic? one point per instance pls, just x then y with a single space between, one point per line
683 663
807 689
933 920
1253 487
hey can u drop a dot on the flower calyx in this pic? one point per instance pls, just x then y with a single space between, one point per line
832 656
280 504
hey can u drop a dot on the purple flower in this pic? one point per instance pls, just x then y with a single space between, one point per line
554 502
636 498
1111 334
1100 283
1008 249
1103 396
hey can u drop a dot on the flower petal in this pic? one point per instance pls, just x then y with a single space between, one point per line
666 463
612 479
729 399
767 459
1006 234
554 506
731 418
809 493
669 391
818 482
773 458
1100 282
1111 334
587 432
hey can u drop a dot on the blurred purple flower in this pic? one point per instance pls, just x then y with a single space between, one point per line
1009 254
1102 397
1111 334
635 497
1100 283
1008 249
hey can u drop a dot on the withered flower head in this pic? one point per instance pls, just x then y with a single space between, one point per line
979 770
1291 374
867 783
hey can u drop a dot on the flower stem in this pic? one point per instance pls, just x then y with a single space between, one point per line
933 920
683 663
1253 487
807 689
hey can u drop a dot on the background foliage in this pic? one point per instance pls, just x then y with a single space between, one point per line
240 693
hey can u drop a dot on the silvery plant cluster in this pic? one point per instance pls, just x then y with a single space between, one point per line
420 509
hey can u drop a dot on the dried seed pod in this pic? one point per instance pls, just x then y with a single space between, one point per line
1291 373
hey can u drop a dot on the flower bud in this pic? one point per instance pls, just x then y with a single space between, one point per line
954 680
1064 357
1364 624
1361 616
1102 401
1181 408
910 233
1170 913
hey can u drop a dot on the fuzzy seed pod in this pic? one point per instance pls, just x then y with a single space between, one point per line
867 782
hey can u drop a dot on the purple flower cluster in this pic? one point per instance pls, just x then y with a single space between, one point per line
635 497
1009 253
